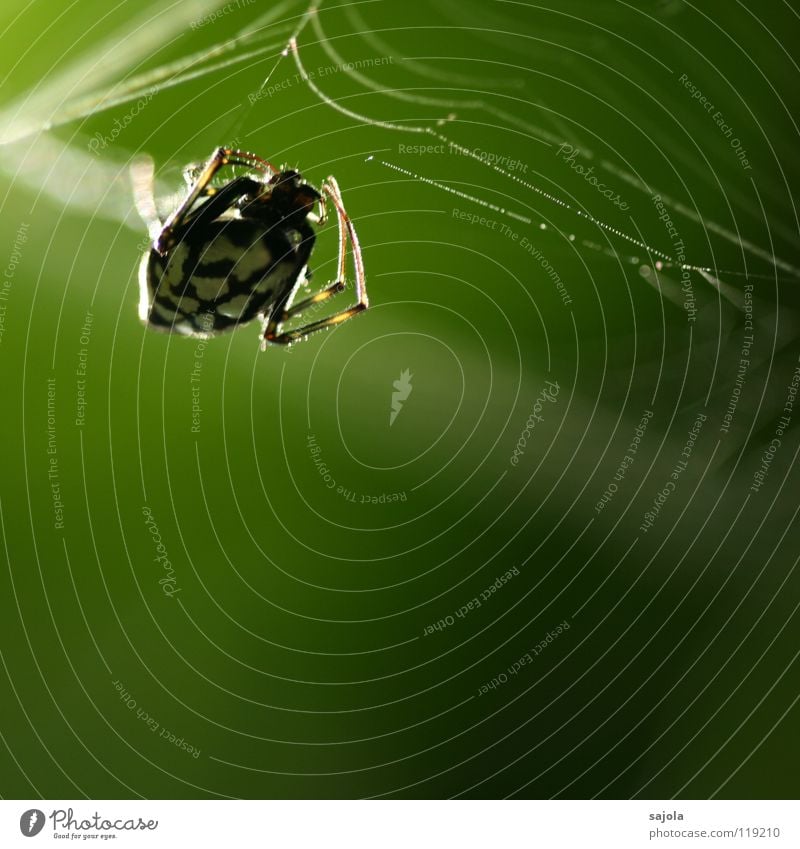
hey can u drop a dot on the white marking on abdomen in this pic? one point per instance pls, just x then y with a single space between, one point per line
247 261
210 288
234 307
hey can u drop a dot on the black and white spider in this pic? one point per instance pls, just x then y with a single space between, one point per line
240 251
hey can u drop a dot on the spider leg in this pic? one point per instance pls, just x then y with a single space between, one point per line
326 293
347 233
220 200
221 157
322 216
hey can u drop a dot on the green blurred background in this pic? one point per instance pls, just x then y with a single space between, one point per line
295 655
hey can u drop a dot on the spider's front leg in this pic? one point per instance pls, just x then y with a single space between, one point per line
321 218
347 233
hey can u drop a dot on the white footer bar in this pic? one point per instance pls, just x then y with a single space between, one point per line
404 824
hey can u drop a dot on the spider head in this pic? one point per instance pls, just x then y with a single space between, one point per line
289 195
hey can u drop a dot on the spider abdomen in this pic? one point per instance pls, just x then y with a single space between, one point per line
219 275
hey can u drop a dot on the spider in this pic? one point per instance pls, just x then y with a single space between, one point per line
232 253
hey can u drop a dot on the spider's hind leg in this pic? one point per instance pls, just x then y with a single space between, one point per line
219 201
347 233
222 156
303 305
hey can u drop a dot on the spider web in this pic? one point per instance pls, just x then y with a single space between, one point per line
100 186
472 497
